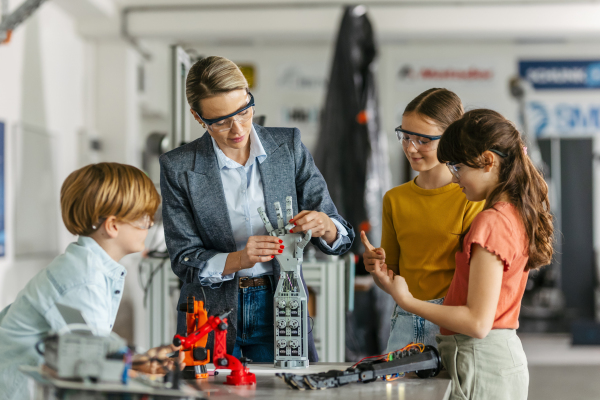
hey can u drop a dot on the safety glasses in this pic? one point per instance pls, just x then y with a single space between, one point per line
419 141
225 123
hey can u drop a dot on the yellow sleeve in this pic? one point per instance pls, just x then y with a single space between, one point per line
471 211
389 241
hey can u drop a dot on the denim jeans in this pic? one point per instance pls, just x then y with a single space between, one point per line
407 327
255 334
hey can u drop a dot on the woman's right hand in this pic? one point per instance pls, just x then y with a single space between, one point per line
371 254
260 249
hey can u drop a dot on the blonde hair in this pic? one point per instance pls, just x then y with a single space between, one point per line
212 76
101 190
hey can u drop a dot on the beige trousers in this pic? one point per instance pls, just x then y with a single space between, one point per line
493 368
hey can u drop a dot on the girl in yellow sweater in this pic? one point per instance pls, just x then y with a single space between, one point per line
423 218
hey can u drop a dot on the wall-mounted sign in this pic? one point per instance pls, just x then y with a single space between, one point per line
581 74
249 73
564 118
441 72
302 77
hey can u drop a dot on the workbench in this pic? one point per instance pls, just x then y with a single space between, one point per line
268 386
271 387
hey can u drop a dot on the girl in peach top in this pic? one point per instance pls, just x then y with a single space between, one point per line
512 235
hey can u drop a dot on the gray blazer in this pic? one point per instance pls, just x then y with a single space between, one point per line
196 220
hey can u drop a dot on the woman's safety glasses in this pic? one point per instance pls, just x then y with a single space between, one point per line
225 123
420 142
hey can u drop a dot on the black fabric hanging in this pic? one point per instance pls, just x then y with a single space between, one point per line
350 150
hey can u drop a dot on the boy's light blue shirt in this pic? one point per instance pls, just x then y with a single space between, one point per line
84 277
243 189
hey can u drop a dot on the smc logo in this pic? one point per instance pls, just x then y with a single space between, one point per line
565 119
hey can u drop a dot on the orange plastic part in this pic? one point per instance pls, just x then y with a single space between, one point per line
8 35
196 316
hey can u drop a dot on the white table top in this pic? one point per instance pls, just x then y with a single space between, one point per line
271 387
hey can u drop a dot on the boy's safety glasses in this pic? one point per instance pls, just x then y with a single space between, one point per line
145 222
419 141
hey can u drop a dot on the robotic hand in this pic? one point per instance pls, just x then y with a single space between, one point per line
294 242
290 302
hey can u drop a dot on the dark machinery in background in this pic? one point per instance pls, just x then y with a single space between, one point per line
561 296
351 153
543 303
351 148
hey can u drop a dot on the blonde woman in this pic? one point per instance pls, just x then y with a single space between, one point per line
211 190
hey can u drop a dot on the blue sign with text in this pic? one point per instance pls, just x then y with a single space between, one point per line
583 74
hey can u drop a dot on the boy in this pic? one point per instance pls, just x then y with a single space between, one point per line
110 207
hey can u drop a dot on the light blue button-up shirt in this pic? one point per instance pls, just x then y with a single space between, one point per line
244 194
84 277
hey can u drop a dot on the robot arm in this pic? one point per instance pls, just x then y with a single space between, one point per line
213 323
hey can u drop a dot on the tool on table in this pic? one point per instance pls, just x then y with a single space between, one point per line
290 301
240 374
424 360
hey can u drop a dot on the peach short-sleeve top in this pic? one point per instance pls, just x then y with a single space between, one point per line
499 230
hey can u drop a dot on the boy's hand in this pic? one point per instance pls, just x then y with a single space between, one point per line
371 254
155 361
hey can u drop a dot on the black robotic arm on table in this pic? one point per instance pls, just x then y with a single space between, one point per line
426 363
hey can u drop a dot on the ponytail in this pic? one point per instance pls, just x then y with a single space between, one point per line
479 130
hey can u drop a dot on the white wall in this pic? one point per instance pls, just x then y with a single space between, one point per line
41 76
279 68
59 90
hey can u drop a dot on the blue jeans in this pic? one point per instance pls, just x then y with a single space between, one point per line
255 334
407 327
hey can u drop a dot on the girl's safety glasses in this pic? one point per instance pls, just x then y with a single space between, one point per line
419 141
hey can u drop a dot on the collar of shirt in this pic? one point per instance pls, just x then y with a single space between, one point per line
256 152
107 266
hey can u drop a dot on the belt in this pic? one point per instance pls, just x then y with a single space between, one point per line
252 282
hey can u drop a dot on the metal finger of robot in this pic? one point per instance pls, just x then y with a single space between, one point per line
290 299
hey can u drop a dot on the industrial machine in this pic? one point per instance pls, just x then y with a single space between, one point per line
240 374
290 301
79 354
424 360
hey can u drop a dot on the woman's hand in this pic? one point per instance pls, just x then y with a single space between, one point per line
319 223
371 254
260 249
155 361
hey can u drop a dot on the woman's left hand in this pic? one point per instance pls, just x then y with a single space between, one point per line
319 223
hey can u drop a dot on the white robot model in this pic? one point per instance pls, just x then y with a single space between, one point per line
290 301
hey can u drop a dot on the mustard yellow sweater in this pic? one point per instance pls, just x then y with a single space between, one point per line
420 234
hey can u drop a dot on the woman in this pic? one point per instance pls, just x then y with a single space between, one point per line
211 190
